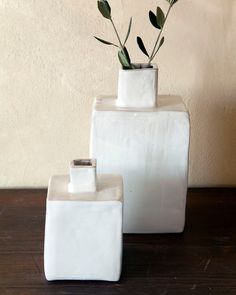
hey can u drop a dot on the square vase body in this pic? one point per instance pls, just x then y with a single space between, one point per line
138 88
149 148
83 231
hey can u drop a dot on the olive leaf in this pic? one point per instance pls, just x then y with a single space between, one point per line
129 30
172 2
123 59
126 53
141 46
161 43
104 8
153 19
160 17
105 42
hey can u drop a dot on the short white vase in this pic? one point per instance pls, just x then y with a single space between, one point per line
138 88
83 230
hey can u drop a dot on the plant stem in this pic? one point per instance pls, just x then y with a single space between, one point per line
118 37
121 45
158 38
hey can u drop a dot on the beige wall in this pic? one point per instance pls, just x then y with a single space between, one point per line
51 68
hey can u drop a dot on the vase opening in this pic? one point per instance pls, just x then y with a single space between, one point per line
139 66
84 163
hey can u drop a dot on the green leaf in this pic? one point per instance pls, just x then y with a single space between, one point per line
141 46
105 42
161 43
104 8
153 19
126 53
172 2
160 17
123 60
129 30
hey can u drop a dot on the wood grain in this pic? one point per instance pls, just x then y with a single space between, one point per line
202 260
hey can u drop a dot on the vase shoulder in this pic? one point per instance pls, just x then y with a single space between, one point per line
109 188
169 103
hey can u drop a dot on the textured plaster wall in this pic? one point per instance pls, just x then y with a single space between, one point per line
51 68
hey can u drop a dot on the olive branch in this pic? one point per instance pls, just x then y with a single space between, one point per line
158 20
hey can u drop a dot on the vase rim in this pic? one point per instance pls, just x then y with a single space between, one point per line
83 163
154 67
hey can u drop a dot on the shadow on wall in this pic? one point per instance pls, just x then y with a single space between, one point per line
214 105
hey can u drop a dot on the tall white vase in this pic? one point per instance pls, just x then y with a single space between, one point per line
149 147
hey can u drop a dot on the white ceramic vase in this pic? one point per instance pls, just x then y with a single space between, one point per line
138 88
149 148
83 229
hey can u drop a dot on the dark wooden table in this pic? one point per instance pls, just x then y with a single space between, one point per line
202 260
